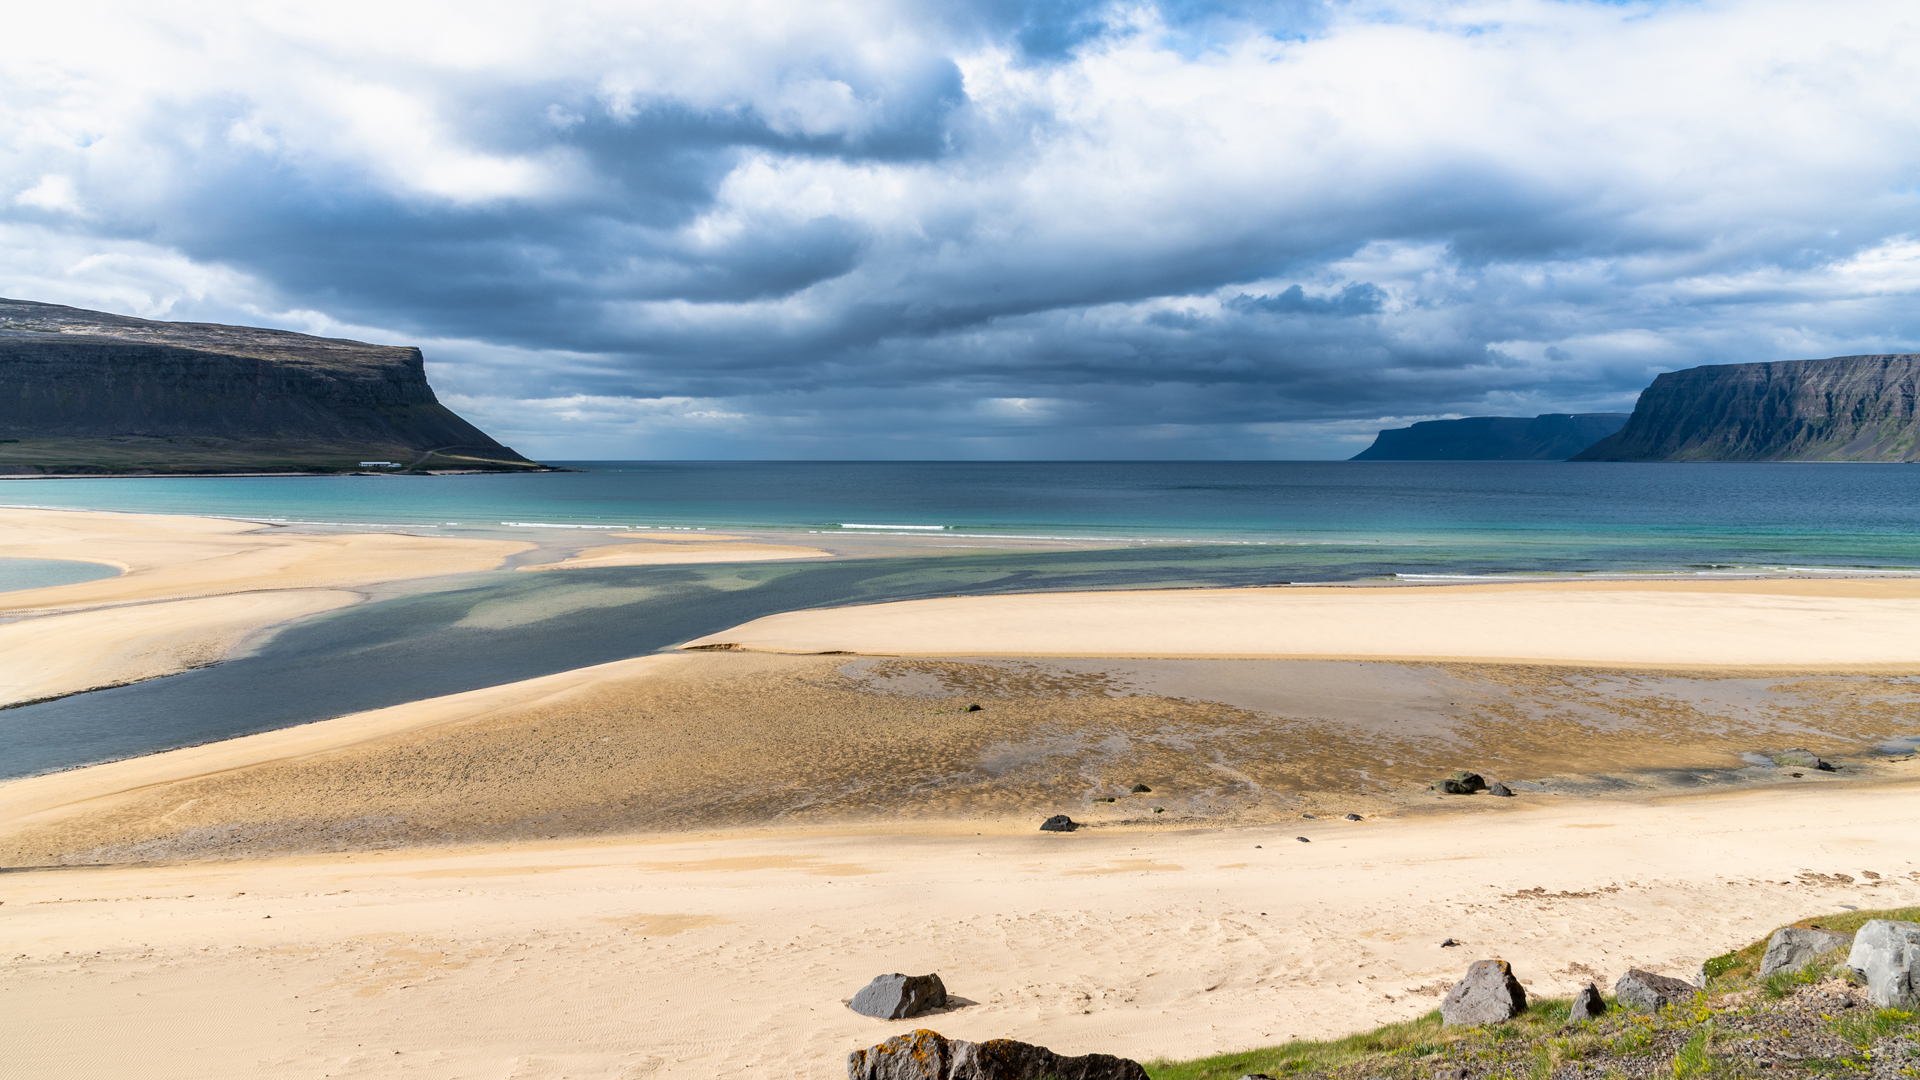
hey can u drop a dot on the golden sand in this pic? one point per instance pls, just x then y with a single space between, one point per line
733 955
702 741
1815 624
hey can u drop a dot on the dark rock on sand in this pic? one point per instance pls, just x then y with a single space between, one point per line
1353 817
971 708
1059 823
1887 954
1141 789
1499 790
1462 783
927 1055
1303 839
1488 995
1587 1004
1794 947
897 996
1639 989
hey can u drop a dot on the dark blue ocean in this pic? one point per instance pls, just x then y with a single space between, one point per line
1164 524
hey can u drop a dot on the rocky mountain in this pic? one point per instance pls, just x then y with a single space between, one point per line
1548 437
1845 408
88 392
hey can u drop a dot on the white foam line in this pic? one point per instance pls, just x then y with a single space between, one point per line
933 528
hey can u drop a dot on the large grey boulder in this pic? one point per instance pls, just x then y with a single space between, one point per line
1794 947
897 996
1587 1004
1059 823
1887 954
927 1055
1639 989
1488 995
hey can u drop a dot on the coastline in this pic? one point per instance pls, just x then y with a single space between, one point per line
576 873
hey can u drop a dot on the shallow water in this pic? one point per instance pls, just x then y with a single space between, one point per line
1442 518
18 574
484 630
1172 524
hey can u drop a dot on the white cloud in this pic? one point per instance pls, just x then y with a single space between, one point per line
781 222
53 192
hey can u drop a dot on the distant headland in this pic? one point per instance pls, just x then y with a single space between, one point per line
89 393
1843 408
1548 437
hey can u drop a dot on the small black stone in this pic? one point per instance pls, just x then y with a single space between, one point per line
971 708
1303 839
1353 817
1141 789
1059 823
1448 944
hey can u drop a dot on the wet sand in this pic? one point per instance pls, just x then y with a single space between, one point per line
677 552
703 741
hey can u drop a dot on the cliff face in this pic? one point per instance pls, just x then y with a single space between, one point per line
1548 437
1847 408
85 391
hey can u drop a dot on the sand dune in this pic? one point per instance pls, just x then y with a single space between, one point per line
731 956
191 590
1702 624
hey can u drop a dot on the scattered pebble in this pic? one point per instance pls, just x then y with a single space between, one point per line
1353 817
1303 839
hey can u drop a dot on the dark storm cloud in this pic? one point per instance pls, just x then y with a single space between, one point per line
1235 228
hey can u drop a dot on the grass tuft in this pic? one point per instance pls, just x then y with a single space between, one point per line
1541 1043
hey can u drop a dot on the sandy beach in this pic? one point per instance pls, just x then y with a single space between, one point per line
732 954
682 864
1702 623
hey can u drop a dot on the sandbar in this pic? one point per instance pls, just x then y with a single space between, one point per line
191 590
1812 624
681 552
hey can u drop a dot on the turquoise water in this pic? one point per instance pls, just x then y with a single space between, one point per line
1186 524
43 573
1416 518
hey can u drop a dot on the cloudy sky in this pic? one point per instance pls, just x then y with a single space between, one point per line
981 228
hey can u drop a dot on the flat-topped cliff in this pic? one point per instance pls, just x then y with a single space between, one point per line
1845 408
1548 437
89 392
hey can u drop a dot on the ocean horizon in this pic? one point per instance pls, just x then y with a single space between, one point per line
1323 518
